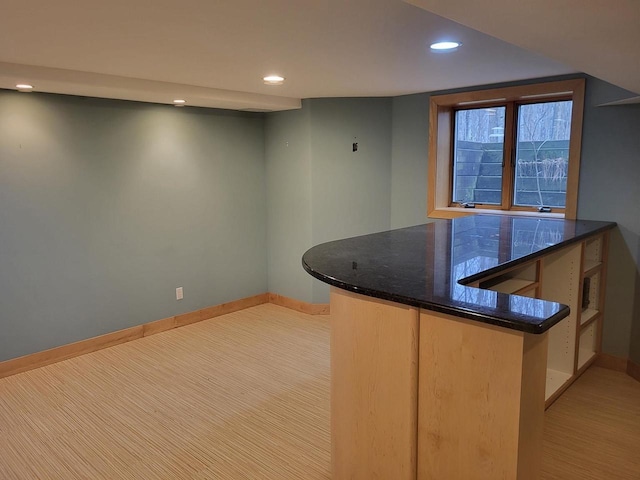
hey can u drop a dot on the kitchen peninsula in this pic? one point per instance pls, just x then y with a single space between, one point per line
447 340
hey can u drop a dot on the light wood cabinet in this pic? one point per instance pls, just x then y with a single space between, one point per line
574 276
433 379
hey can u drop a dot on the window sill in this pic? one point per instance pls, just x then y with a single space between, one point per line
454 212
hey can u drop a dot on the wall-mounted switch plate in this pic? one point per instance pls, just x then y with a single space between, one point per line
179 293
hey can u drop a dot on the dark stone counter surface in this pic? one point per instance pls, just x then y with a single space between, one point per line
428 266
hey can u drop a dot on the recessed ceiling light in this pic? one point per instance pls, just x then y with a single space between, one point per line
443 46
24 87
273 80
179 103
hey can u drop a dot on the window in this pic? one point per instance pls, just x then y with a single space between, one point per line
478 155
514 149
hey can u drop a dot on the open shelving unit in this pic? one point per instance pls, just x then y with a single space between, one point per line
561 283
589 332
574 276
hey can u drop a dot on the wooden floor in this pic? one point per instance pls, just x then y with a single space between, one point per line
246 396
243 396
592 432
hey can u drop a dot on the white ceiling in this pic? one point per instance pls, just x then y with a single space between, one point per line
215 53
599 37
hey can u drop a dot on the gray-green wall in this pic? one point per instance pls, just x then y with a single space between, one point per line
410 143
350 191
318 188
107 206
288 160
609 190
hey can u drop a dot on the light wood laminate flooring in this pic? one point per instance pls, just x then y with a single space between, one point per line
592 432
246 396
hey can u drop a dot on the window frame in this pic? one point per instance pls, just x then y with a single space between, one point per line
442 110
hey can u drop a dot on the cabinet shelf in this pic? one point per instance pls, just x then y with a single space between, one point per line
591 267
512 285
587 347
584 355
587 316
515 281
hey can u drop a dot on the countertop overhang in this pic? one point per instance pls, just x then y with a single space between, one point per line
430 266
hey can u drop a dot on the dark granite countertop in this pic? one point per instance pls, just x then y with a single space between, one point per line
429 266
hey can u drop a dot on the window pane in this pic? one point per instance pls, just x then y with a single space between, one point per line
478 155
542 153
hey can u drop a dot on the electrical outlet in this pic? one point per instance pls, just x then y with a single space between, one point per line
179 293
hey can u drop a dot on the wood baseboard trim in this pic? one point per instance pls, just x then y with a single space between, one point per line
221 309
618 364
633 370
299 306
611 362
64 352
